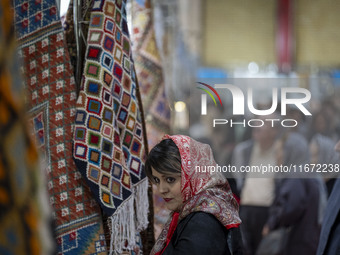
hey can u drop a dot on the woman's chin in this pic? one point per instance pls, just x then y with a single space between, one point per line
173 207
170 208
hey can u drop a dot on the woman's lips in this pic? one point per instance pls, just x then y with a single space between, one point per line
167 199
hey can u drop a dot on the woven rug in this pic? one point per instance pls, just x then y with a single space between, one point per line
108 138
18 178
149 72
52 101
24 222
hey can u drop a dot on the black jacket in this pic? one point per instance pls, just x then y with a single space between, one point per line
330 234
201 233
296 206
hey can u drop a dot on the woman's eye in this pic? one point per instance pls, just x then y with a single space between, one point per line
170 179
155 180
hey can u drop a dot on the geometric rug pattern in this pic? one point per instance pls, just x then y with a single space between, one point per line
108 138
20 182
51 99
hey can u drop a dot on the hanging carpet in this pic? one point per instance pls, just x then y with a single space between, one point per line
52 100
108 139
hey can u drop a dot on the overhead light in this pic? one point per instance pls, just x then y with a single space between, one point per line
180 106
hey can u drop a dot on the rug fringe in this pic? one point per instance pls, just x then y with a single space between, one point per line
142 204
125 223
123 228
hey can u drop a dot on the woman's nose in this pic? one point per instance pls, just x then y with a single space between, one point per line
162 187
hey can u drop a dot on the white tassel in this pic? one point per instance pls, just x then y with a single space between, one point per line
123 228
125 224
142 204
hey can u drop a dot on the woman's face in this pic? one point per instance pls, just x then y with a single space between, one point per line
169 187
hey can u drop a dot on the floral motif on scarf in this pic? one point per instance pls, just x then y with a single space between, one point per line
202 190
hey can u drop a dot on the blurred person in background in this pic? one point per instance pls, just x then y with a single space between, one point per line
257 192
323 122
322 152
330 233
296 203
332 114
302 126
223 144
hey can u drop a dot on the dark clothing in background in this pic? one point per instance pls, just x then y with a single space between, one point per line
329 185
296 206
253 220
330 233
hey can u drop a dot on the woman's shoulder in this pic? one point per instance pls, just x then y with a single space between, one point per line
203 222
203 216
205 227
199 233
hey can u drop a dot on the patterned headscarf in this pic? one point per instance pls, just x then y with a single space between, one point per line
202 190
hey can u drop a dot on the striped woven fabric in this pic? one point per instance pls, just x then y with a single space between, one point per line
108 139
52 100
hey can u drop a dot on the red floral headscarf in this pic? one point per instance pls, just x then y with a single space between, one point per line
202 190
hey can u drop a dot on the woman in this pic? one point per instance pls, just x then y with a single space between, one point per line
296 203
204 217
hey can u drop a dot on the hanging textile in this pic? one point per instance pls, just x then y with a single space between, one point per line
151 81
52 101
108 139
77 58
149 72
70 39
23 218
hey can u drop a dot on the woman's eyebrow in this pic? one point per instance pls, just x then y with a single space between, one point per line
167 175
171 175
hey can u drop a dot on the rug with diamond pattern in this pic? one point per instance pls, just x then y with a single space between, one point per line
108 139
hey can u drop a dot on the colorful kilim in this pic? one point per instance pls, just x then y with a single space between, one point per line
108 138
21 217
149 73
52 101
